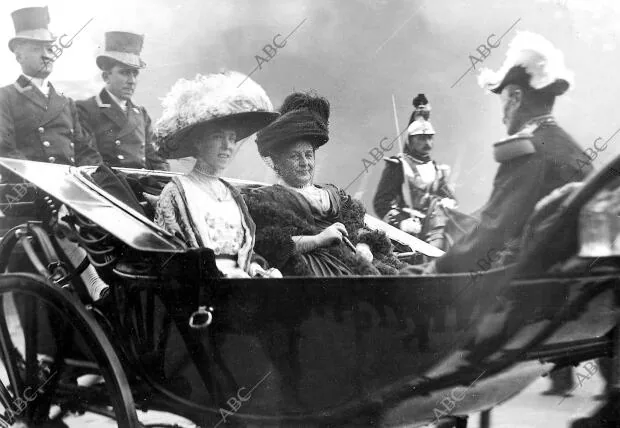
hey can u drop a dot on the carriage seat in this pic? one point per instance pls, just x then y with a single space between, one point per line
137 191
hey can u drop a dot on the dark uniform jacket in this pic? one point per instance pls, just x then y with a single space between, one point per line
537 160
40 128
390 190
124 139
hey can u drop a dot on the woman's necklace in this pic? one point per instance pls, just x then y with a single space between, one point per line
213 185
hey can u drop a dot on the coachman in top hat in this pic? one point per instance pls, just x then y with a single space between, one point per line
36 122
121 130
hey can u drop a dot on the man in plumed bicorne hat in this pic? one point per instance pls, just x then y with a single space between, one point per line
414 189
36 122
536 157
121 130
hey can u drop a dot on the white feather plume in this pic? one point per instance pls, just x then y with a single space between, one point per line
209 97
541 60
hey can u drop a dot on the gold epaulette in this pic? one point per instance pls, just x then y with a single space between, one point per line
519 144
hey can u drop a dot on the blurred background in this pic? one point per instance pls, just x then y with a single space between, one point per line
358 54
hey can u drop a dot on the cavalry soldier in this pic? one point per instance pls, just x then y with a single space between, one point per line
413 191
36 122
121 130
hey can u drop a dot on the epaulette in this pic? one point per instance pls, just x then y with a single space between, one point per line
394 159
517 145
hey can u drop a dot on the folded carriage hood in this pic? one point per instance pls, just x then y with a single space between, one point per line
68 185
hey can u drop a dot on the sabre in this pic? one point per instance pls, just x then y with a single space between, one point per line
398 131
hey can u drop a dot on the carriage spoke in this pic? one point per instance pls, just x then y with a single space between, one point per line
8 353
31 330
5 398
62 331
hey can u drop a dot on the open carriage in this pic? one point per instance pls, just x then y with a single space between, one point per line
347 351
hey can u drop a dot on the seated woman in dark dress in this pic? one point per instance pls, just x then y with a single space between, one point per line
303 228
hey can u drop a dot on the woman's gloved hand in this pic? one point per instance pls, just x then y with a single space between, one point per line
411 225
448 203
332 235
363 250
257 270
236 273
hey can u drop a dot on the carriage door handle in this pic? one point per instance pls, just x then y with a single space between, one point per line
201 318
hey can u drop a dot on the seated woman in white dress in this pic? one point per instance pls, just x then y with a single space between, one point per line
207 118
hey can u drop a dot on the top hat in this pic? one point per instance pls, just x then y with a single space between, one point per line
123 47
532 62
31 24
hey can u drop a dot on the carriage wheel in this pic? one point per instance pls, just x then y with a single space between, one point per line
54 356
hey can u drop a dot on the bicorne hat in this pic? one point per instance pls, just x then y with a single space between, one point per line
531 62
123 47
31 24
222 100
304 116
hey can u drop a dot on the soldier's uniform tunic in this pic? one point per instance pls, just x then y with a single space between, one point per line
416 192
124 139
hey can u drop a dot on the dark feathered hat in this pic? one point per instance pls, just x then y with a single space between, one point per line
303 116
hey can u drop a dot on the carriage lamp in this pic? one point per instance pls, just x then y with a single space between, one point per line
599 225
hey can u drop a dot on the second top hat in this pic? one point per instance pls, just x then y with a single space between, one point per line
123 47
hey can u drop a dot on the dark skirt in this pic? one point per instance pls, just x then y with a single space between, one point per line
322 263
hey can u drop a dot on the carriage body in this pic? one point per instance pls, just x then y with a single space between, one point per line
298 351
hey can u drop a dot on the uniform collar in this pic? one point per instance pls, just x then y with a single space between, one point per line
534 123
123 104
42 84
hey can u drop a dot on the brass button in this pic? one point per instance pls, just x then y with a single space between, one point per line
72 159
52 159
46 143
72 144
41 130
117 142
121 157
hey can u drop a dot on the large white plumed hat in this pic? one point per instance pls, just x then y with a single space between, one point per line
229 99
532 62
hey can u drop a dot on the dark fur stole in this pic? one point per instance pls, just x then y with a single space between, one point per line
276 224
